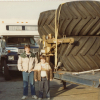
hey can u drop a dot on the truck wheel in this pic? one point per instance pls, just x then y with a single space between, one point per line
46 23
6 72
1 66
79 18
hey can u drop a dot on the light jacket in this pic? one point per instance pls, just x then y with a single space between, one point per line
37 72
25 63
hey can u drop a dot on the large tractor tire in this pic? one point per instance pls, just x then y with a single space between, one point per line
82 55
79 18
46 23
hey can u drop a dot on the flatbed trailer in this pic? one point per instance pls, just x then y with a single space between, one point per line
90 79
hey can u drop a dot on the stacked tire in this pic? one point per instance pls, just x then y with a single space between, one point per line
81 21
81 18
82 55
46 23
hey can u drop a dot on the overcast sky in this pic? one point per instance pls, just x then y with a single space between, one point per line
30 9
27 9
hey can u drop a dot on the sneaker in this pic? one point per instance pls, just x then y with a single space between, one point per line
34 96
24 97
48 98
39 98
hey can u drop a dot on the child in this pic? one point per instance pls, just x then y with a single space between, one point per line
26 63
43 73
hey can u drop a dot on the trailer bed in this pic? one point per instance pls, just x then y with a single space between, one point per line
85 79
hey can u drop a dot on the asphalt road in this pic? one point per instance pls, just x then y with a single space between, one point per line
13 90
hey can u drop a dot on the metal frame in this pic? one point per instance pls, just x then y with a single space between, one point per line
85 79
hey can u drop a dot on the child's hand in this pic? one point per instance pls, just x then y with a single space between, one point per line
35 80
22 70
50 79
32 69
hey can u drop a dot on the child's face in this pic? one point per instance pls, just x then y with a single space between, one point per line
42 60
27 50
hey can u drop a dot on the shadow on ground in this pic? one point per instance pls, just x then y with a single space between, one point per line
57 89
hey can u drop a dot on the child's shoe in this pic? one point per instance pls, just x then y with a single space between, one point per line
39 98
34 97
24 97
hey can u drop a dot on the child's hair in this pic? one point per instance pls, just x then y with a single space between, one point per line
27 46
42 57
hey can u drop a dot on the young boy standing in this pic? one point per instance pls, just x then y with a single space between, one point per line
26 63
43 73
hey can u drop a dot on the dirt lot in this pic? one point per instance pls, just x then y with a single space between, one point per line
12 90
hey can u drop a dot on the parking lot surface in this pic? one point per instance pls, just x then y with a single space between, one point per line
13 90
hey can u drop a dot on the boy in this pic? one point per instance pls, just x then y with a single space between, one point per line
43 73
26 63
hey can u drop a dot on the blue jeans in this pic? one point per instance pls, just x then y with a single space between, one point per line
28 77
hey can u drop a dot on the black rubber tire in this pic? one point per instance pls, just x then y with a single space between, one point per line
6 72
79 18
82 55
0 67
46 23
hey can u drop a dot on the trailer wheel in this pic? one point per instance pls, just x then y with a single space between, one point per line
6 72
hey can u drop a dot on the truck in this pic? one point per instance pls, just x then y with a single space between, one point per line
13 45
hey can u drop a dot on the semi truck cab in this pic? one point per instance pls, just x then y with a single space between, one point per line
13 38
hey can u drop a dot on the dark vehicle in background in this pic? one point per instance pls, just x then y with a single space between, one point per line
14 47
